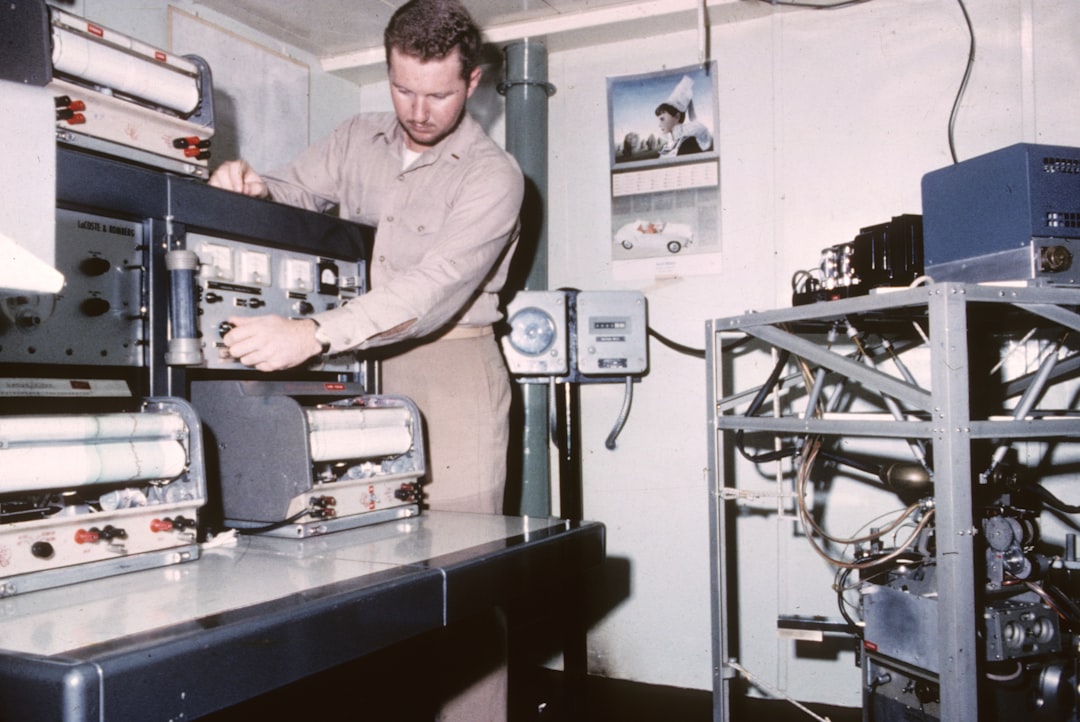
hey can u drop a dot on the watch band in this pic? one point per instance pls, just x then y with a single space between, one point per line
319 337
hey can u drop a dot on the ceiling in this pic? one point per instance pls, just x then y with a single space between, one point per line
347 34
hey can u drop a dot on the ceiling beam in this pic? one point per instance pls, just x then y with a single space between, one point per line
597 25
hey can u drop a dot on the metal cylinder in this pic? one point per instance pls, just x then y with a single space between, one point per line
527 91
184 347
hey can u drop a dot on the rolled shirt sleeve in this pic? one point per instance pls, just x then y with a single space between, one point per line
446 227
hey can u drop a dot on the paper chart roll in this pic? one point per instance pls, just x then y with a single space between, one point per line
337 434
64 466
89 427
124 72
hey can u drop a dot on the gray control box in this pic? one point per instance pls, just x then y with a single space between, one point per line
612 333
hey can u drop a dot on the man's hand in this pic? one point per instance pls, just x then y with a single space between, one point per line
271 343
239 177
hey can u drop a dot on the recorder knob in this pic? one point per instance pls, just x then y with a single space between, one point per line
42 550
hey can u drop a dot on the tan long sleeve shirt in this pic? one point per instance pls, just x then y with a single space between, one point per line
446 226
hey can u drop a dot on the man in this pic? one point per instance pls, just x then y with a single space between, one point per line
445 200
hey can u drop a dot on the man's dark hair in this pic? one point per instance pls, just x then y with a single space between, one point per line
431 29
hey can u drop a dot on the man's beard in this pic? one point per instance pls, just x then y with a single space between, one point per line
436 139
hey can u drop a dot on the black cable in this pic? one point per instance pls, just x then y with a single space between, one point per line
864 466
1068 607
963 83
841 584
675 345
275 525
755 406
783 453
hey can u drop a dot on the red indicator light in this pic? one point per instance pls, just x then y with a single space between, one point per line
160 56
95 30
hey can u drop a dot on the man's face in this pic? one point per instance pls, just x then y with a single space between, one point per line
429 96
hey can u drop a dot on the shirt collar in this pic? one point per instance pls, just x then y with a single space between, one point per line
453 145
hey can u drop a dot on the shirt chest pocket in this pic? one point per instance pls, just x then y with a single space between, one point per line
417 231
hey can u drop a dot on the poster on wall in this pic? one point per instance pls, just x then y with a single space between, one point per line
665 173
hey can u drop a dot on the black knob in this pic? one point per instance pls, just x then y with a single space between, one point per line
224 328
94 307
94 266
42 550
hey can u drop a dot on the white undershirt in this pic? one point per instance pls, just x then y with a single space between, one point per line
408 156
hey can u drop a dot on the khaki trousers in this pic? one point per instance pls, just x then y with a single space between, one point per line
462 389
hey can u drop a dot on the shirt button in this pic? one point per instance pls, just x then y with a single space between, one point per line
420 229
382 259
390 219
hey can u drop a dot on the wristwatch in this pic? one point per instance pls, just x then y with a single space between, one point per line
320 338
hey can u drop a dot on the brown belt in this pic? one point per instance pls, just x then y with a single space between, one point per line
460 332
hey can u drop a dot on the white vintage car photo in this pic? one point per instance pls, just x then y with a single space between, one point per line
652 236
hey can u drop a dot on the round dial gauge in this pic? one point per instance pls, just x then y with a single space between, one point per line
532 331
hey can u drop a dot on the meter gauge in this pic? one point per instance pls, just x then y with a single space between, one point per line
215 262
254 268
298 275
532 331
329 277
536 344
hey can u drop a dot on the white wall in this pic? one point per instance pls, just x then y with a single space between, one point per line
828 120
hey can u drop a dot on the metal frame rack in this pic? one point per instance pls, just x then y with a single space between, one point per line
957 422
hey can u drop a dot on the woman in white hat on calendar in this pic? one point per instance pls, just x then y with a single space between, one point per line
683 133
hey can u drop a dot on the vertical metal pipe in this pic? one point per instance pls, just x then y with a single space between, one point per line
527 91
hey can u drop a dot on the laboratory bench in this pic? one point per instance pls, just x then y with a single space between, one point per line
253 614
